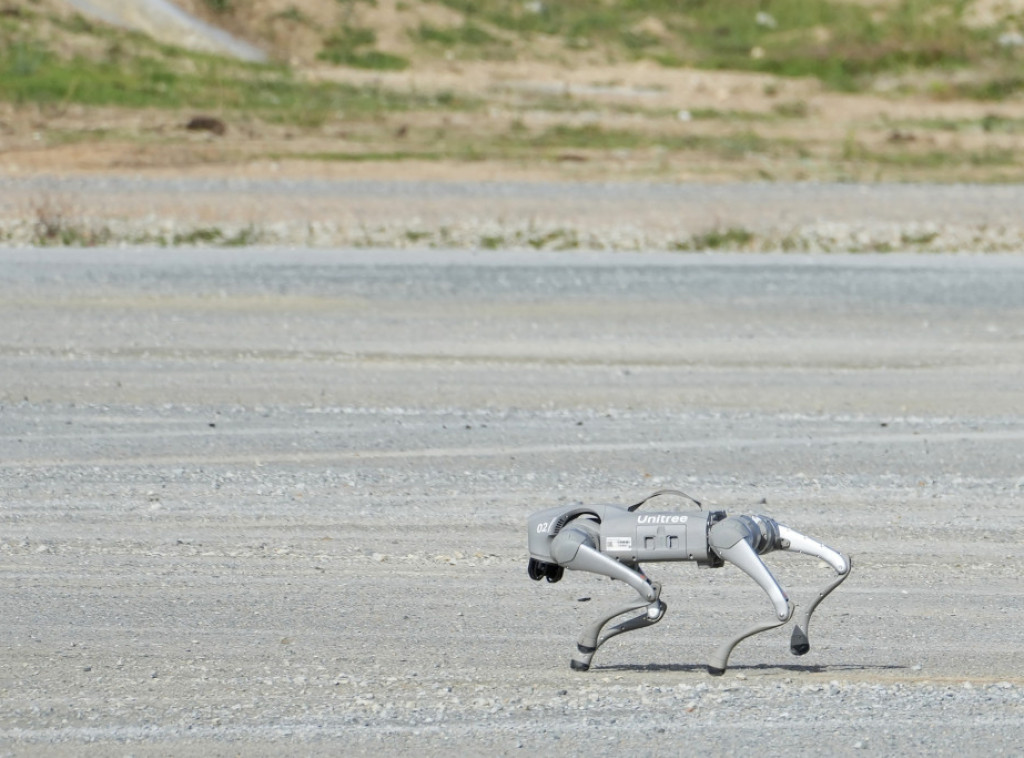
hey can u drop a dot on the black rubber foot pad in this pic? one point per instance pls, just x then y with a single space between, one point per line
798 643
577 666
715 671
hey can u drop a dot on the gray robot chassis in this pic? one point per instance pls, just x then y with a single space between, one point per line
613 540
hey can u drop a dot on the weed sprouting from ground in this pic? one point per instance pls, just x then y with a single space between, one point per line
50 220
54 224
205 235
731 238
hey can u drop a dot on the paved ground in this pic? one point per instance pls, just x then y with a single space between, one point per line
262 501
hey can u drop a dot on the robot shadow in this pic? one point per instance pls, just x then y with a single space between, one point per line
702 668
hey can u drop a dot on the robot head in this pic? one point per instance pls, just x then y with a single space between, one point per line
543 527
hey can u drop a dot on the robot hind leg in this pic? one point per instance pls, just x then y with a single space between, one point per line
794 541
740 540
731 544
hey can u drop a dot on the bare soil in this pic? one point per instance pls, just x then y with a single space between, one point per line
118 140
826 135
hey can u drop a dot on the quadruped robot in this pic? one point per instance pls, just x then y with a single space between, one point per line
612 540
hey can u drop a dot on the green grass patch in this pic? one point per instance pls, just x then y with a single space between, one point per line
718 239
557 239
353 46
589 136
293 15
211 235
931 160
133 73
1002 125
363 157
595 137
997 88
131 70
206 235
559 141
466 34
733 146
991 124
492 242
844 44
792 109
468 40
219 6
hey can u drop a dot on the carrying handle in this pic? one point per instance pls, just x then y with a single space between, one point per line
653 495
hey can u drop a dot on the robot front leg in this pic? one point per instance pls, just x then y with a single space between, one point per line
591 638
574 549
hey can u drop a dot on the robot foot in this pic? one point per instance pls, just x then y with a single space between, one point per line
798 643
720 660
592 637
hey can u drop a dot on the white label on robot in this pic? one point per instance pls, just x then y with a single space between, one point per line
618 543
661 518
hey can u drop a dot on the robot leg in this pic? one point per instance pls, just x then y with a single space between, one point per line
793 541
591 638
734 540
574 549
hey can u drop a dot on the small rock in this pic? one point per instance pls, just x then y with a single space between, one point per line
207 124
1011 39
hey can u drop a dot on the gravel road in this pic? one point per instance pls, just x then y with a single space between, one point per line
268 501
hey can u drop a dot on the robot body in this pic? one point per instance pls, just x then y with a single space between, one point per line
613 540
630 537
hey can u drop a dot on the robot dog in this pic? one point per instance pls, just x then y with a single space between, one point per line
612 540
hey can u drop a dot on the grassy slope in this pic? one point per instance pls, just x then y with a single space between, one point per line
847 44
933 52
